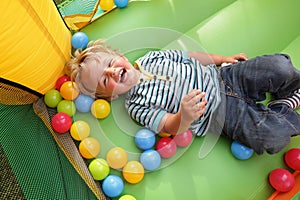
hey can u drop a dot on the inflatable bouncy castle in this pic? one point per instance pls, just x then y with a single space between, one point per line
38 163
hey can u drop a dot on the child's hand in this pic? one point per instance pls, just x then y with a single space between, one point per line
234 58
192 106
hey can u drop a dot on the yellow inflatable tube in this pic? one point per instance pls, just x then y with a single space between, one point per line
36 43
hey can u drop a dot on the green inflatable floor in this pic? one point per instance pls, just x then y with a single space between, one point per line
226 27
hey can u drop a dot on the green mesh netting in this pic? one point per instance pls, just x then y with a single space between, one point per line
40 167
74 7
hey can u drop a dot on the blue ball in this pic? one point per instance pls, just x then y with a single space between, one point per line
83 103
112 185
121 3
240 151
150 159
79 40
145 139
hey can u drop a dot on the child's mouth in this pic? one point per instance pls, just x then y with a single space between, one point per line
122 75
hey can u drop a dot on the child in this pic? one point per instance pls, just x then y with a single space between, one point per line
173 90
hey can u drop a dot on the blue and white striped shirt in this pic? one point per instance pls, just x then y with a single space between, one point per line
171 75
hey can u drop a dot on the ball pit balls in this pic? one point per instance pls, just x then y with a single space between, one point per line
79 40
67 107
121 3
116 157
61 80
292 158
61 122
133 172
100 108
52 98
145 139
150 159
184 139
127 197
106 4
84 103
69 91
240 151
99 169
112 186
80 130
281 180
166 147
89 148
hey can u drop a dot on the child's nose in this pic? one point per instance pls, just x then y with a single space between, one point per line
111 72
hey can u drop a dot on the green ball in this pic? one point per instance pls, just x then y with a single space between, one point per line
67 106
99 169
52 98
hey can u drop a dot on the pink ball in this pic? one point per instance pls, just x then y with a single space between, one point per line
184 139
292 158
281 180
166 147
61 122
61 80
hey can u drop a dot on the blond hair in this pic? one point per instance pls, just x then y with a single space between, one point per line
96 50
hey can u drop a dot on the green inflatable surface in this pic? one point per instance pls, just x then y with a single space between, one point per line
226 27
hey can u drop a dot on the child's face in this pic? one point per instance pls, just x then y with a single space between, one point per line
117 78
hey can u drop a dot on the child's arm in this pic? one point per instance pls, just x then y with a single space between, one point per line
191 108
205 58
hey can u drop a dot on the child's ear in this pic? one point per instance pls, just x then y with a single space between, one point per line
112 97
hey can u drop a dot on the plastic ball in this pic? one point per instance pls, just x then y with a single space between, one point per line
121 3
67 107
112 185
127 197
133 172
240 151
150 159
84 103
106 4
79 40
145 139
99 169
166 147
69 90
61 122
164 134
100 108
52 98
281 180
116 157
80 130
89 148
292 158
61 80
184 139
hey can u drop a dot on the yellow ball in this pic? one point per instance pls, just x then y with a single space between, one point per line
116 158
107 5
133 172
89 148
164 134
69 90
80 130
100 108
127 197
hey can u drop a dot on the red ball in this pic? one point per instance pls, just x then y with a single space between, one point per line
61 80
61 122
292 158
184 139
281 180
166 147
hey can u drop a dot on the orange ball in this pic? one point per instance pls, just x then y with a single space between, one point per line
80 130
133 172
89 148
116 158
100 108
107 4
69 90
